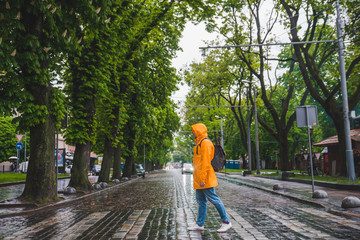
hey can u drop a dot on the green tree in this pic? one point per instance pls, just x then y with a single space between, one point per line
37 36
7 138
317 60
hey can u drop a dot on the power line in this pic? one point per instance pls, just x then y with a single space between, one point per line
218 106
267 44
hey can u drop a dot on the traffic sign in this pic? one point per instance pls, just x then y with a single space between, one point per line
19 137
19 146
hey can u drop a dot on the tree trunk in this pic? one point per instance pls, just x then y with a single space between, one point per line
117 162
129 162
40 180
340 129
284 153
104 175
79 171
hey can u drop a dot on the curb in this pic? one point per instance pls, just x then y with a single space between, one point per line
342 186
63 202
329 207
295 198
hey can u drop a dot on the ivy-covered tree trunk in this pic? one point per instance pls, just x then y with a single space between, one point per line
117 162
129 162
82 87
40 180
104 175
81 164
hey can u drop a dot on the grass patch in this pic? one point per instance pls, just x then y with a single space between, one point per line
10 177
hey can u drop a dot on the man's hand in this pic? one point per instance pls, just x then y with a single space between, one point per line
202 184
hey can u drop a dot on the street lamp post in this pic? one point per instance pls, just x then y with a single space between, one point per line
248 128
256 137
257 154
349 152
222 133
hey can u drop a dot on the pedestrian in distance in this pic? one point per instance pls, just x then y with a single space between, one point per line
205 179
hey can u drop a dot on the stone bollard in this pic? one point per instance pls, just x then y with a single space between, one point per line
116 181
96 186
350 202
320 194
103 185
69 190
278 187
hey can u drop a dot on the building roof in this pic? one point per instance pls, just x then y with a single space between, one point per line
355 136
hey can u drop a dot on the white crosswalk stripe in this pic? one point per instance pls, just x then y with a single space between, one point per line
332 217
70 233
243 227
133 225
294 224
77 229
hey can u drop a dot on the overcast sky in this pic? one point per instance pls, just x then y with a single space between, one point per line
193 38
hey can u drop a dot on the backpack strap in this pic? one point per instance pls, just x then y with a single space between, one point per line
199 145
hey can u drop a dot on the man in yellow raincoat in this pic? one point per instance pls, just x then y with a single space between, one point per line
205 179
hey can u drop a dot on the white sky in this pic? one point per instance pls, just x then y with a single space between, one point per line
193 38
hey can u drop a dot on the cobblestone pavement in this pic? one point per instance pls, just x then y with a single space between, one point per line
162 205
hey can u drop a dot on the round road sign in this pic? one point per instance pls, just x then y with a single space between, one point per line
19 146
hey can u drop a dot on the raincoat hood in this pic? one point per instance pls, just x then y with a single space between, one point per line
200 131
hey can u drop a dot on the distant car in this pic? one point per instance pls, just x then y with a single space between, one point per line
68 169
187 168
140 170
96 169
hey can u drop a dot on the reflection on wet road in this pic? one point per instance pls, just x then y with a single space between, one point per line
162 205
14 191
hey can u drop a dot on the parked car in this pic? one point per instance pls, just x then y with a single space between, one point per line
187 168
96 169
140 170
68 169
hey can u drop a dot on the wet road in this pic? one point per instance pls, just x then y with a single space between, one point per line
163 204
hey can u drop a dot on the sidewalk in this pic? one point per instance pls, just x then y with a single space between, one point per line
301 191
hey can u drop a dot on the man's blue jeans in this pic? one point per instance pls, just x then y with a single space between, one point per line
201 197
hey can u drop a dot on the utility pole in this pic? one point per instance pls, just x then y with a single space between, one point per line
25 150
349 152
256 137
144 159
248 128
222 134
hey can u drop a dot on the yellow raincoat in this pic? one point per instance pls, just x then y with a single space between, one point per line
203 171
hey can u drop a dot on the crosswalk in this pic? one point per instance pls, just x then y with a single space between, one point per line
172 224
